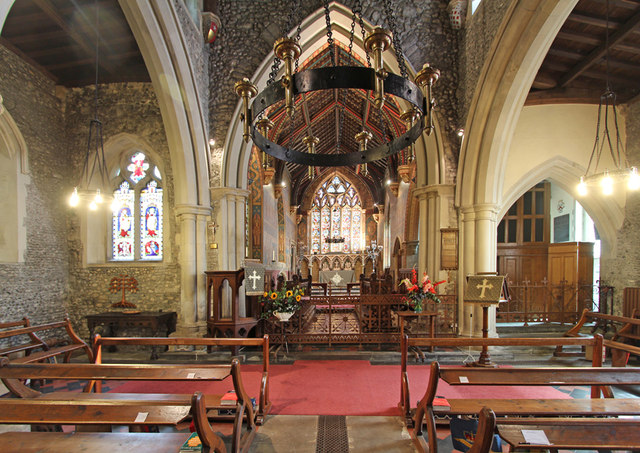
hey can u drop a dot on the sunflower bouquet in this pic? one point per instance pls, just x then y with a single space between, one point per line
282 301
416 293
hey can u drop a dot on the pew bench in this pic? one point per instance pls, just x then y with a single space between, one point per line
599 377
573 434
12 374
263 401
26 340
406 343
102 413
81 442
625 333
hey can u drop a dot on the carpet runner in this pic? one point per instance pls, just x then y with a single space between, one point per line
339 387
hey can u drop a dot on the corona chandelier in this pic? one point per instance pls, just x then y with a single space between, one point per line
374 79
91 188
621 172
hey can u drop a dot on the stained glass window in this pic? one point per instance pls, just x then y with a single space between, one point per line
122 223
336 214
137 221
151 222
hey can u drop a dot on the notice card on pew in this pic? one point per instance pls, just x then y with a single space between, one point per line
191 375
535 436
141 418
464 380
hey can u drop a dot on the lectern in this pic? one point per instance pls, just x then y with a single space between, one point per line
485 290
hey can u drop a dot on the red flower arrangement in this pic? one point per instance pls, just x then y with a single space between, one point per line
416 294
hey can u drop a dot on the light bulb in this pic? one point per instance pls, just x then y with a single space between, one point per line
607 184
582 187
634 179
93 205
74 199
98 198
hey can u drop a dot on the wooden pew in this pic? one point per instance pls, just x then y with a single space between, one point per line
406 343
573 433
80 442
624 331
594 376
264 403
12 374
34 347
107 412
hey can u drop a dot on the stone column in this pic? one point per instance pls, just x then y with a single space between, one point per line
434 203
479 248
192 233
230 215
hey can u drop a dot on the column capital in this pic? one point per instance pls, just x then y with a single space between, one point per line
195 210
229 193
485 211
434 190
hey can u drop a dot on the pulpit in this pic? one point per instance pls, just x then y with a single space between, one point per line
224 315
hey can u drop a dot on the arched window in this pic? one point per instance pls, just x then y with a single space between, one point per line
136 223
336 218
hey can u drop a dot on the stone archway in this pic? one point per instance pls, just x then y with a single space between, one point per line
519 46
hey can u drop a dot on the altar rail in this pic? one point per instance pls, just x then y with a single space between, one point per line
362 319
546 302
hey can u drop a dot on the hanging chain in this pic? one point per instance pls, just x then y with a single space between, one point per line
298 31
329 33
351 33
383 124
357 8
396 41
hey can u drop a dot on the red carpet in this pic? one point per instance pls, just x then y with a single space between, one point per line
340 387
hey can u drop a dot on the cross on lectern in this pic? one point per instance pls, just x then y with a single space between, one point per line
254 277
484 287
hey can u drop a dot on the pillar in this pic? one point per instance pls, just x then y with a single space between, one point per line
478 254
192 233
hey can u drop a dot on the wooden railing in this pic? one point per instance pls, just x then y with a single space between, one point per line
361 319
546 302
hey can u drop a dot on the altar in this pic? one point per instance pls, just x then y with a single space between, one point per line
337 277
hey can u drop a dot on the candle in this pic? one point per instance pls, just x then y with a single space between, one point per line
274 255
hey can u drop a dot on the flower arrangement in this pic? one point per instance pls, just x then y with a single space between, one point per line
416 294
282 301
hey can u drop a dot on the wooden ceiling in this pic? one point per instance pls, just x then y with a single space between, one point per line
59 38
575 68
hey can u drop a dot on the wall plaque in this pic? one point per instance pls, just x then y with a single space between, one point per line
449 249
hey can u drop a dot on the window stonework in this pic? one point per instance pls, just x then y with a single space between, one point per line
336 218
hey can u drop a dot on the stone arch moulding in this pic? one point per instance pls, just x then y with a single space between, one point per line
14 147
156 27
312 37
607 214
517 51
124 141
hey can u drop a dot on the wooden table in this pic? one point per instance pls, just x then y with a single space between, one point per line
75 442
160 323
574 434
408 315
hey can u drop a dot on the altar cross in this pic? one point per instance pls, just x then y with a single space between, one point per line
484 287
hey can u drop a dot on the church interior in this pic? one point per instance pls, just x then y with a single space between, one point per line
369 188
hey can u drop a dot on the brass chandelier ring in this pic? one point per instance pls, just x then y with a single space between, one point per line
346 77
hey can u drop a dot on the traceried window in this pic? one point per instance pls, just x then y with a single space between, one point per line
137 232
336 218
